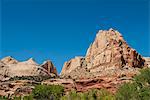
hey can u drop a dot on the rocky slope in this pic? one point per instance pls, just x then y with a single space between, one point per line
108 63
108 55
9 67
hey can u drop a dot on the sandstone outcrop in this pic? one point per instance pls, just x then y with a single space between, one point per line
72 64
9 67
4 70
147 60
110 48
108 55
48 65
9 60
16 88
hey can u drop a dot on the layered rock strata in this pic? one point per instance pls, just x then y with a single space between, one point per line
108 55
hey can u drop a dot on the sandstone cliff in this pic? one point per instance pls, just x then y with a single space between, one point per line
108 55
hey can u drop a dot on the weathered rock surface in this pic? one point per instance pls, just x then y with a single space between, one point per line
108 55
68 84
4 70
110 48
9 67
16 88
72 64
81 85
48 65
9 60
147 60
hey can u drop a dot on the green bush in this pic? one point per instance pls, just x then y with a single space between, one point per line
35 78
83 96
144 93
93 94
3 98
72 95
128 91
30 97
52 92
143 79
143 82
139 89
103 94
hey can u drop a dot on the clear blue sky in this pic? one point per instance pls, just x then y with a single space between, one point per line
62 29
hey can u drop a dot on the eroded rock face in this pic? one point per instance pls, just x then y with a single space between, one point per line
72 65
16 88
48 65
4 70
9 60
108 55
110 48
9 67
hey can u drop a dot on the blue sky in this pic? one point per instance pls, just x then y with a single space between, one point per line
62 29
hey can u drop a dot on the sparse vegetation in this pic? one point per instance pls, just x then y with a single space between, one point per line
35 78
139 89
48 92
93 94
3 98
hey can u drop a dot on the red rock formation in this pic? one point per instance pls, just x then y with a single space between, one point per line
109 54
48 65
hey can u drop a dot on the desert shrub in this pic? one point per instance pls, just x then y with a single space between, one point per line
143 82
139 89
144 93
93 94
103 94
51 92
3 98
127 91
30 97
73 95
18 98
35 78
143 79
83 96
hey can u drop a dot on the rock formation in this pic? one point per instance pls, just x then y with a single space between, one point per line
72 64
147 60
4 70
48 65
9 60
9 67
109 54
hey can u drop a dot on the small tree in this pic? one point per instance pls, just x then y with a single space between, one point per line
51 92
128 91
